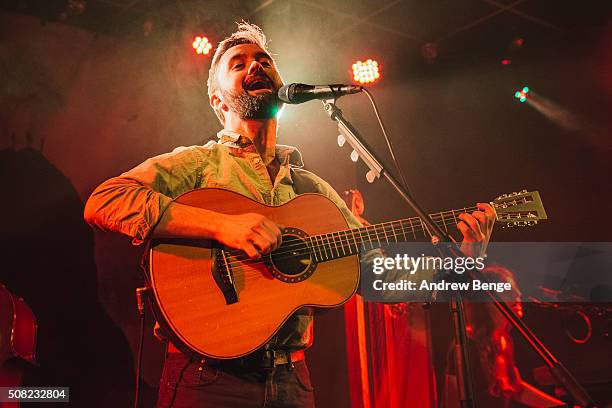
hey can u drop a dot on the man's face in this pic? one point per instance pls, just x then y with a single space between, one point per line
247 82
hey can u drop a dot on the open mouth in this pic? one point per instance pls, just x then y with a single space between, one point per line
258 84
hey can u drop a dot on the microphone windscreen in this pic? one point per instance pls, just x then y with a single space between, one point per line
285 93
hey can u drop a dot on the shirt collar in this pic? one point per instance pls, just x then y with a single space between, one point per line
287 155
233 139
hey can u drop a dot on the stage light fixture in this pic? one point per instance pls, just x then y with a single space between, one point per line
522 95
76 7
517 42
73 8
202 45
366 72
429 51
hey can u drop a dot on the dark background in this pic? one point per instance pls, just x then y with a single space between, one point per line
87 95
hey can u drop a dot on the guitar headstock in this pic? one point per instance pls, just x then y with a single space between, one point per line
519 209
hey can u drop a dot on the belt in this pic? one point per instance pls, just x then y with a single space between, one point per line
259 359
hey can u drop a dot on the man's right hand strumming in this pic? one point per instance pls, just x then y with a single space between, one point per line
252 233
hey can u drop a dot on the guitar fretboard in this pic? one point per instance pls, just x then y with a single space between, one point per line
334 245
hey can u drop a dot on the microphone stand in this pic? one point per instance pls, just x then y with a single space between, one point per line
446 246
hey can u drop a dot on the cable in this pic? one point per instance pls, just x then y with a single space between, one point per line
140 293
389 144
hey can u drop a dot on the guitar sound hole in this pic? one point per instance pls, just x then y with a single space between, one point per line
293 257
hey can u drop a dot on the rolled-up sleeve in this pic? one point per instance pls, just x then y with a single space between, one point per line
134 202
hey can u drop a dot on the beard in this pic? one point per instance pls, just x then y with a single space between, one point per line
263 106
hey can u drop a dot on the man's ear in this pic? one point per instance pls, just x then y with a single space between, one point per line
217 103
219 107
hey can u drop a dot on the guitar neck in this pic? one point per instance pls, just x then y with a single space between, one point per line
339 244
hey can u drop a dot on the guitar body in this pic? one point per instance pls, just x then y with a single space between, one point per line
189 299
215 302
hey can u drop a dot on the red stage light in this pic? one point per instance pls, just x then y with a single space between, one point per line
366 72
506 61
518 42
202 45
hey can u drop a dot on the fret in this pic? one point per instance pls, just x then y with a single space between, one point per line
323 246
367 230
335 245
362 240
341 244
412 228
425 230
348 242
393 230
443 222
465 211
385 232
329 243
354 240
376 235
318 247
328 247
454 216
403 231
313 249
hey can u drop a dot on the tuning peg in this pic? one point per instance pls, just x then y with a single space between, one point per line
370 176
341 140
354 156
524 191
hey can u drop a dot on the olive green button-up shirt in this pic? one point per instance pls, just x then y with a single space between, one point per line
134 202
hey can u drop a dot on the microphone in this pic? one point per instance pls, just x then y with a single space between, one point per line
300 93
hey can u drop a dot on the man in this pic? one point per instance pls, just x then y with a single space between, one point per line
242 85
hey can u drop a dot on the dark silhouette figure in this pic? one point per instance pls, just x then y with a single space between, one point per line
48 259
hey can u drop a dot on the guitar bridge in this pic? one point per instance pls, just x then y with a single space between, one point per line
222 273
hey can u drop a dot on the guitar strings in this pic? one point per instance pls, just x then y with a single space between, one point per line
374 228
347 243
302 248
377 230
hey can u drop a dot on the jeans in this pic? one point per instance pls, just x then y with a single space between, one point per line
190 383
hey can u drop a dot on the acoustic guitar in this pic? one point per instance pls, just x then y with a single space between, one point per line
17 328
216 302
17 341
